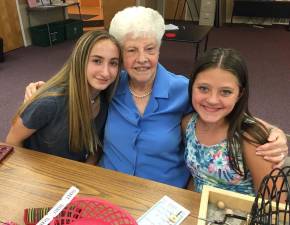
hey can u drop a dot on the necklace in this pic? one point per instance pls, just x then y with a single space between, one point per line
94 100
140 96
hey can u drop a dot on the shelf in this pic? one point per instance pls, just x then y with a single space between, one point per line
272 9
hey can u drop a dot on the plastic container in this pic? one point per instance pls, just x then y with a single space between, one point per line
73 29
57 34
93 211
40 34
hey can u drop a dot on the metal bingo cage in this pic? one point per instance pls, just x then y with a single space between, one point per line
269 207
271 204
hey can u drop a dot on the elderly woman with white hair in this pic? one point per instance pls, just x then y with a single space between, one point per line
142 133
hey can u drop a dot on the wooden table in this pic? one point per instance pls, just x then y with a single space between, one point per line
194 34
31 179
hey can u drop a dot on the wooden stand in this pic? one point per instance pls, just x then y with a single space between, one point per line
236 201
213 195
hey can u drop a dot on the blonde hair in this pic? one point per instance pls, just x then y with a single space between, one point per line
71 81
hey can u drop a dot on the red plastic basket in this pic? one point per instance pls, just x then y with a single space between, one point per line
93 211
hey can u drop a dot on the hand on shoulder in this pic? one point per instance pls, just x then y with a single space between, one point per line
31 89
276 149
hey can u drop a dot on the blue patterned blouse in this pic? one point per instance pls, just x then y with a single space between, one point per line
210 164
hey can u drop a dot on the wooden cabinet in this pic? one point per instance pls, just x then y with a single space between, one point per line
10 29
110 7
167 8
170 8
90 3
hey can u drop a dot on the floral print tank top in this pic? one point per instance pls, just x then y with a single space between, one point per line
210 164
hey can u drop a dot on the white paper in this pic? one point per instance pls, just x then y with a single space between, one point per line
165 212
59 206
171 27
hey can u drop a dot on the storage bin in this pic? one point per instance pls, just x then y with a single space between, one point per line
73 29
57 32
40 34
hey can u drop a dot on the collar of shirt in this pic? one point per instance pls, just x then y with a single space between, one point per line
161 83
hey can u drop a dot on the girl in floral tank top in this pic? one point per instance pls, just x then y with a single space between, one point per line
221 136
210 164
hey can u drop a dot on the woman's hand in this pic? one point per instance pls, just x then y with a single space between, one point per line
276 150
31 89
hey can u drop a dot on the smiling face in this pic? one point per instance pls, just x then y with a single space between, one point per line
214 94
102 67
140 56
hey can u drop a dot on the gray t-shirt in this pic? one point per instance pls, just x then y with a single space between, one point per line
50 118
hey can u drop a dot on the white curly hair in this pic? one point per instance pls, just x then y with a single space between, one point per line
137 21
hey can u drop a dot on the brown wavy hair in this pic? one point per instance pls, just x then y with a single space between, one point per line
242 125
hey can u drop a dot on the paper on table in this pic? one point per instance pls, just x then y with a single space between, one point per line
165 212
171 27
